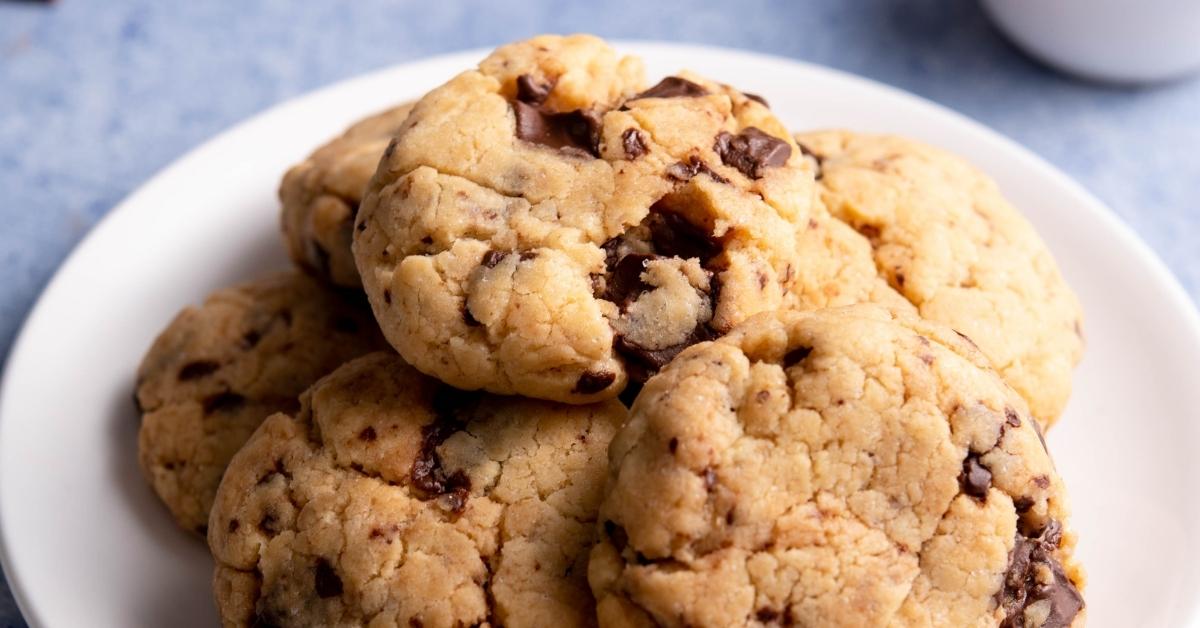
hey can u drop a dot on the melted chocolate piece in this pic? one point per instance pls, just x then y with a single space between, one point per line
625 283
223 402
634 143
975 479
796 356
491 258
197 369
756 98
326 580
590 383
752 151
673 87
1031 561
674 236
574 132
533 91
683 171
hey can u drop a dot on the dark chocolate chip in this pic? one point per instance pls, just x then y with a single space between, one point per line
634 143
675 236
591 382
673 444
223 402
387 296
1023 504
575 132
491 258
975 479
1011 418
326 580
684 171
767 615
630 394
758 99
427 474
673 87
368 434
762 396
1025 582
251 338
752 151
1041 481
197 369
533 91
525 256
795 356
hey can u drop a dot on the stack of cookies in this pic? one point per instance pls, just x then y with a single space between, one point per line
569 348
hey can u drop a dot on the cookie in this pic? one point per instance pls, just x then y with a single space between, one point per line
391 499
945 238
221 368
321 194
835 468
545 225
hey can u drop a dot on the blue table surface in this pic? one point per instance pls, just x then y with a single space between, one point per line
96 96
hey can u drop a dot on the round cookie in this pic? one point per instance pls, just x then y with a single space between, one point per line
219 369
394 500
945 238
545 226
321 194
835 468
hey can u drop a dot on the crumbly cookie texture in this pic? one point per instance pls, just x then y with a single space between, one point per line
545 225
394 500
945 238
219 369
320 196
836 468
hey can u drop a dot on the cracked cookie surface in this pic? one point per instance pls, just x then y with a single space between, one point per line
835 468
546 225
219 369
945 238
320 196
394 500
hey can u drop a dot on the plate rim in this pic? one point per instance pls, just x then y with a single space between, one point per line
1180 301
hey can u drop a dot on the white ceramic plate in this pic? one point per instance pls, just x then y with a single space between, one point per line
84 542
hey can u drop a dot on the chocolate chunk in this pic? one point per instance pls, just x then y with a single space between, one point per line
756 98
643 363
469 318
684 171
197 369
427 474
525 256
630 394
368 434
673 87
1034 575
575 132
634 143
625 282
752 151
975 479
387 296
795 356
533 91
1011 418
223 402
590 382
1023 504
675 236
326 580
491 258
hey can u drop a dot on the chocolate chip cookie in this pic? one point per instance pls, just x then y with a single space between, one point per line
391 499
546 225
945 238
219 369
321 194
835 468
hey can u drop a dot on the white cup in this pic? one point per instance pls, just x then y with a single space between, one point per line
1120 41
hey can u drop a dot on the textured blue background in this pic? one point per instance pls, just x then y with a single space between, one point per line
97 95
